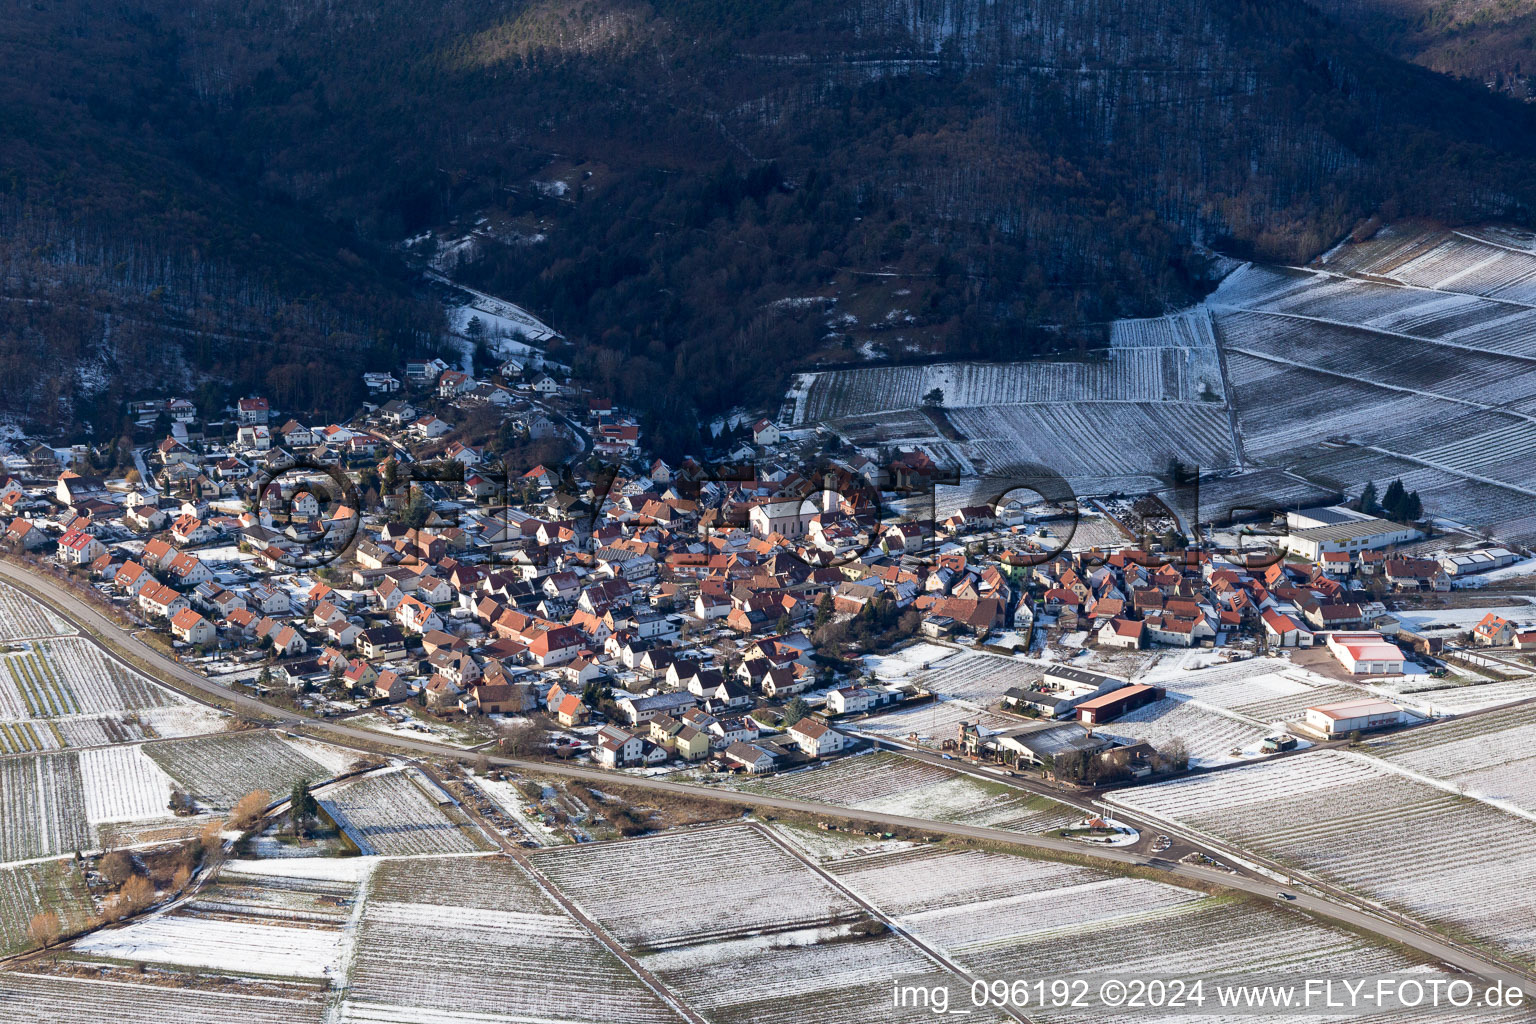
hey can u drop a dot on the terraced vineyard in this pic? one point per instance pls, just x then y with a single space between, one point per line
1357 823
1106 423
1430 374
388 813
1086 439
894 784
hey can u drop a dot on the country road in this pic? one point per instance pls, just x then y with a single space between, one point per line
124 646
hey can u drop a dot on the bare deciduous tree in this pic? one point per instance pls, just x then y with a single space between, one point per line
45 928
249 809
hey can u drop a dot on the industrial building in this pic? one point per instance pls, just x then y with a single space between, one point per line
1355 715
1316 531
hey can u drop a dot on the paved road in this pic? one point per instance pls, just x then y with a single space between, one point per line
116 642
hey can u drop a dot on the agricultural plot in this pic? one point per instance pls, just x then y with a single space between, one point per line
1210 738
218 770
1448 697
1490 262
1264 691
1493 755
931 722
894 784
280 899
388 813
30 737
36 999
1227 498
804 982
977 676
42 807
980 899
53 678
64 692
220 944
1108 423
123 784
29 889
22 618
422 935
706 868
1001 915
1088 440
1359 824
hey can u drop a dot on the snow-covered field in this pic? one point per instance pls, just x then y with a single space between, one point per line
34 998
894 784
931 722
1522 613
430 926
22 618
908 661
387 812
1492 755
42 807
1005 916
236 946
509 798
1109 423
123 784
978 677
1367 827
1431 376
704 868
218 770
1210 737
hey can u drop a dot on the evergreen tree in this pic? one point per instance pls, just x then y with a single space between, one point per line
1367 502
795 710
1395 498
824 610
302 807
1413 509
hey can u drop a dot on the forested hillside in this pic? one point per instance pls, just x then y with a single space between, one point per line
1488 41
248 168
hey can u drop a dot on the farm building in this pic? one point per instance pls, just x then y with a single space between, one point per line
1080 681
1469 562
1366 654
1351 715
1052 705
1034 743
1098 710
